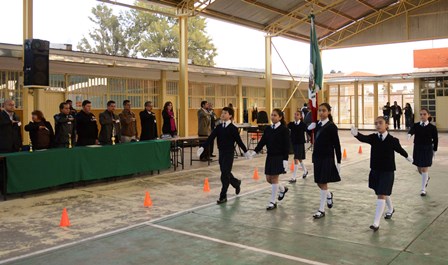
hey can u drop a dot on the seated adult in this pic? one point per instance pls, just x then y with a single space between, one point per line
41 131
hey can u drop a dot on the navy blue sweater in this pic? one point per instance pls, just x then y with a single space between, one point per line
382 154
297 132
425 135
276 141
226 138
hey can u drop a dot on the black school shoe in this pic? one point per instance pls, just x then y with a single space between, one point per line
427 182
271 206
291 181
389 215
282 194
319 215
330 201
305 174
238 189
374 228
221 201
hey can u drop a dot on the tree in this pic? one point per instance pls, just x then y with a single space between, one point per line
108 35
147 34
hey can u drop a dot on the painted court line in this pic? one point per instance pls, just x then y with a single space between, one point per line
110 233
241 246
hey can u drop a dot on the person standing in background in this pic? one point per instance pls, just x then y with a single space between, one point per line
148 123
110 125
10 135
169 123
41 131
204 127
386 112
396 115
128 123
409 116
86 126
65 127
72 110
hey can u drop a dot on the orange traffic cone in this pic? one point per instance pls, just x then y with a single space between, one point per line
206 186
64 219
148 201
292 166
360 150
255 176
344 155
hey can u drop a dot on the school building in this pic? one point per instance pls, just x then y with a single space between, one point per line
357 98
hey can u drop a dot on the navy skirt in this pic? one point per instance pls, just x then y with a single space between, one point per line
299 151
422 155
381 182
274 165
325 170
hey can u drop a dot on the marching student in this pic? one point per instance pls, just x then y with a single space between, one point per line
382 166
425 146
276 139
326 144
297 132
227 134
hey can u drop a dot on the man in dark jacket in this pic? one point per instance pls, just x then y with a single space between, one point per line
10 135
396 115
110 125
65 126
86 126
148 123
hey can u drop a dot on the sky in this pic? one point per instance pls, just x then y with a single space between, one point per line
66 21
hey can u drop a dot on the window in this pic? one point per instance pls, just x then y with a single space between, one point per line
9 87
99 90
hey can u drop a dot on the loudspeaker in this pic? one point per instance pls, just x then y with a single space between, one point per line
36 68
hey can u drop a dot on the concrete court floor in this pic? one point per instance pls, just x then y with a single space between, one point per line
186 227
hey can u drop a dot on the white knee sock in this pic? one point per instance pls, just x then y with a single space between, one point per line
323 200
380 204
424 180
390 207
294 175
303 167
281 188
274 193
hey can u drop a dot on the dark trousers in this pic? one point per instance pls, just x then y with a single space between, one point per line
227 178
207 152
396 122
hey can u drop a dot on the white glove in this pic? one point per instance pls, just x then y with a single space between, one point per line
338 167
409 158
409 137
354 131
285 165
433 155
200 151
248 155
312 126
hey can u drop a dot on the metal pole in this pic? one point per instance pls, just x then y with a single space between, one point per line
183 76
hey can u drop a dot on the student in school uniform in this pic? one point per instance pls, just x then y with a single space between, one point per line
382 166
425 146
297 130
326 145
227 134
276 139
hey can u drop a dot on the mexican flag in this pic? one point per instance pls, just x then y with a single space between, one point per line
316 72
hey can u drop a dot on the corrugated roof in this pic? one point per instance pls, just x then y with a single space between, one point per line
290 18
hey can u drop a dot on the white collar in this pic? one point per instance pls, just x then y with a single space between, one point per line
384 135
297 122
425 123
276 125
227 123
324 122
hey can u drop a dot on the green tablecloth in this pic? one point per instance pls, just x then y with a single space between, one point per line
42 169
